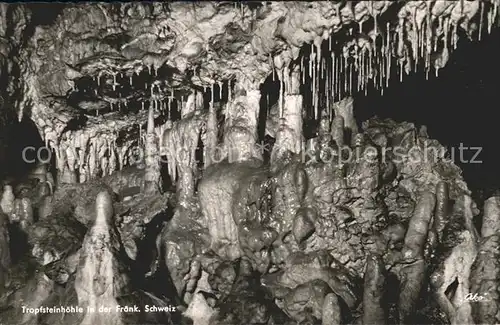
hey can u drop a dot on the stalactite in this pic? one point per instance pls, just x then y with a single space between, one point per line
495 10
489 20
421 41
359 65
267 104
388 55
365 72
153 174
455 36
327 90
446 31
212 95
312 73
369 71
280 99
210 142
338 76
303 71
317 43
344 69
220 89
271 63
351 68
181 142
322 68
415 39
428 41
20 113
169 108
481 15
139 140
400 70
333 75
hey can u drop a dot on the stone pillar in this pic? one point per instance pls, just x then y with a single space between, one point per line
289 136
240 134
152 176
98 279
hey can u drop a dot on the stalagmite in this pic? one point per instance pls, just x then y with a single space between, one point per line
331 310
485 272
152 177
412 274
374 296
442 210
456 266
491 219
7 201
98 276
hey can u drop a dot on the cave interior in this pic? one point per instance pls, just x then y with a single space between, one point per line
234 163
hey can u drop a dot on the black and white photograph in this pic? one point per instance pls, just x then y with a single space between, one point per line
250 163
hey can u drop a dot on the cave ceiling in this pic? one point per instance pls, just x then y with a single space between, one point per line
110 57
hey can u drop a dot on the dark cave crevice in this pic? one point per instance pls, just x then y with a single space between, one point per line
457 107
26 137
